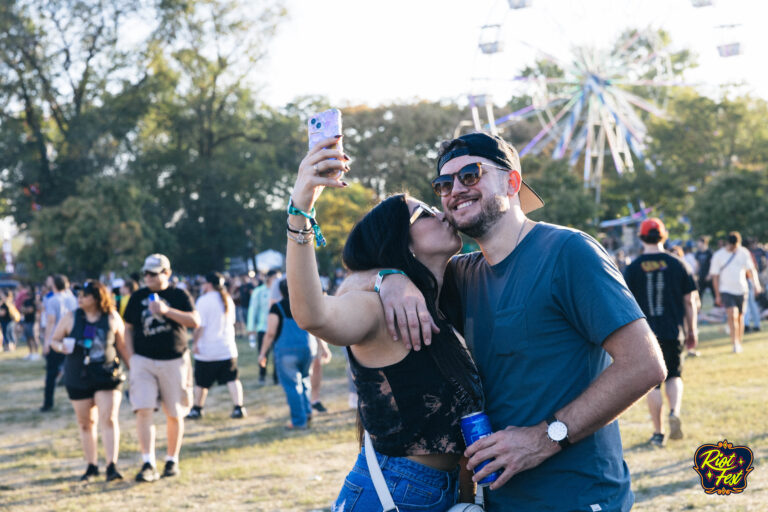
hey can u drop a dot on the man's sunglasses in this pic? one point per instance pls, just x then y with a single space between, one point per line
468 176
151 274
423 210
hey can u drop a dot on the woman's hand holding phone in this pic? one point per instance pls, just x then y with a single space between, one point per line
322 167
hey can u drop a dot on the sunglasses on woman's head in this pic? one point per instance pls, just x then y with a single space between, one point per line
468 176
423 210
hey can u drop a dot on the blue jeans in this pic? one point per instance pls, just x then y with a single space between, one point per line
293 371
752 316
414 487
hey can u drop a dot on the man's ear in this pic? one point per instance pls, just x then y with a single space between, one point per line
514 183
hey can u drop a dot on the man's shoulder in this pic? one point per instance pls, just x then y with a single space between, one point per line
53 301
555 235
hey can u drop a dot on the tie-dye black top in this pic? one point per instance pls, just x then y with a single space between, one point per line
410 408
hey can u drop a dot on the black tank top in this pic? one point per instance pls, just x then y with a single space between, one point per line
102 350
410 408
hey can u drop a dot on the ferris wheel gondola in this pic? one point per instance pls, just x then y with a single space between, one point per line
729 45
519 4
489 42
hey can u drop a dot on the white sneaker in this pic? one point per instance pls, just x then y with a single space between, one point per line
737 349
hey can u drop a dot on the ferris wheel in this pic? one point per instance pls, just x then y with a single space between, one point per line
591 71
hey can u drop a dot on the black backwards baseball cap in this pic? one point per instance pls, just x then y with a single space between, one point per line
497 150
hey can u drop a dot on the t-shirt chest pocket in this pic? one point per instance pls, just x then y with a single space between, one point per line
510 331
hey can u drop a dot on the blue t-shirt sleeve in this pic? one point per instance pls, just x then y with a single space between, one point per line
590 290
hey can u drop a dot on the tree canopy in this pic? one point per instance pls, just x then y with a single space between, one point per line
136 126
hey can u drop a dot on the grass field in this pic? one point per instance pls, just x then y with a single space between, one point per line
254 465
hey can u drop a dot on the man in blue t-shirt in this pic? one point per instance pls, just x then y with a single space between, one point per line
543 310
666 292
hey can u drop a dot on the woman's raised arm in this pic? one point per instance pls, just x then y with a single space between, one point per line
344 320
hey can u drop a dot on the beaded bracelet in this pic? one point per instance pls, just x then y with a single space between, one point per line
292 210
301 239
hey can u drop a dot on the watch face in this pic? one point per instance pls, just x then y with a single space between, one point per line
557 431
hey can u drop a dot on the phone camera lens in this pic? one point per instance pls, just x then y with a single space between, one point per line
313 121
319 125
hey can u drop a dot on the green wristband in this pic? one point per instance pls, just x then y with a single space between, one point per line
380 278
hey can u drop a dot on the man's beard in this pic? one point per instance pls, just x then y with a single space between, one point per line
491 210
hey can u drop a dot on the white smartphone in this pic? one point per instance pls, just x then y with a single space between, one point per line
323 126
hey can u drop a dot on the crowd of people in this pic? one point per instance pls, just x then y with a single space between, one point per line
541 329
149 324
747 277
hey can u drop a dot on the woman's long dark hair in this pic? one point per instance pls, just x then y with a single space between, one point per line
381 240
217 281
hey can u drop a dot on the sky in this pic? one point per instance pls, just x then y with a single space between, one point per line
366 52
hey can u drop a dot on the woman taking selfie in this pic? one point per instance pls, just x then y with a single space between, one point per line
410 402
91 337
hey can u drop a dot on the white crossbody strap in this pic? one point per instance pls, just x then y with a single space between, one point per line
377 477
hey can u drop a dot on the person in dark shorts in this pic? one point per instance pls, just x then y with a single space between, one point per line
215 350
731 270
92 337
665 289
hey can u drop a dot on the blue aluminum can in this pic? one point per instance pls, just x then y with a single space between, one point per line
477 426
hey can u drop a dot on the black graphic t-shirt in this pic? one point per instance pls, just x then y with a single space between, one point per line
659 282
158 337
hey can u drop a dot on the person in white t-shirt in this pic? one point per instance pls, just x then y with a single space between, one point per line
215 350
730 268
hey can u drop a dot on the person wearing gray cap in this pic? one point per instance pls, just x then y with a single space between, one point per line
561 344
156 321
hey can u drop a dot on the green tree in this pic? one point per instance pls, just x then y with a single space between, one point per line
337 212
734 200
566 201
393 148
217 160
109 224
71 92
699 139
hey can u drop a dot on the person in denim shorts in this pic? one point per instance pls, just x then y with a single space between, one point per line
410 402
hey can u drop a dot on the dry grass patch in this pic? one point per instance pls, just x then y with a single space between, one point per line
254 465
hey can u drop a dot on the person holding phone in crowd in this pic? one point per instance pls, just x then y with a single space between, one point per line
410 402
92 338
156 321
560 342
